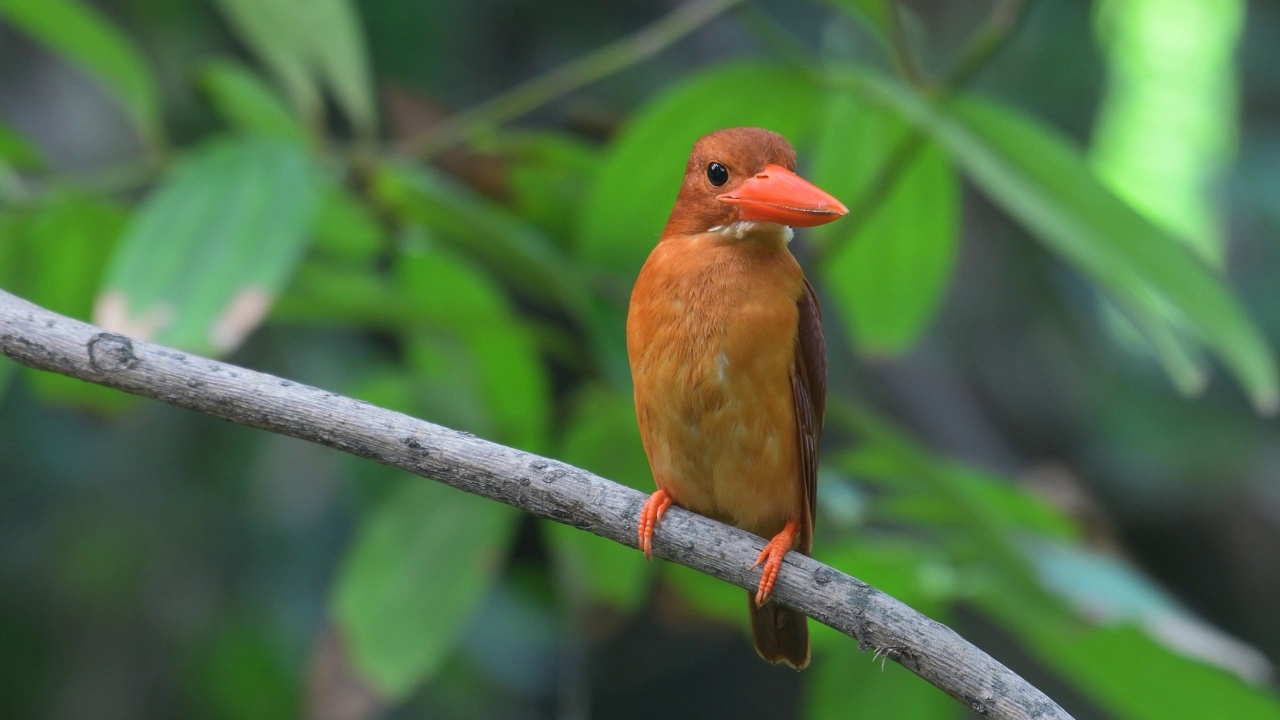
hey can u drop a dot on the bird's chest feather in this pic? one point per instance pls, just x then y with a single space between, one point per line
711 337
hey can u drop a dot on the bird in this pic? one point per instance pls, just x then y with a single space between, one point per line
728 361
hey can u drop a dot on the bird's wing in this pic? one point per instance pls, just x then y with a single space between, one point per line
809 393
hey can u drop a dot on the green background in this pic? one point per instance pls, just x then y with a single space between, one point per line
1051 319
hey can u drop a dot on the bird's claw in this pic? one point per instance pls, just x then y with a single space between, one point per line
772 556
650 516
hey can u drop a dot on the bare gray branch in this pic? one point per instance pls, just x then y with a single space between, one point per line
547 488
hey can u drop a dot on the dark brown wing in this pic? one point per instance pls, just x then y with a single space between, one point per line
809 392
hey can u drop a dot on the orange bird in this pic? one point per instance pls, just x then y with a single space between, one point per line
724 335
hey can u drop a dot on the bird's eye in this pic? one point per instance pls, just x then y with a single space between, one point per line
717 174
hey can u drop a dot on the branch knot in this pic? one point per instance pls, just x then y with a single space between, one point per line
109 352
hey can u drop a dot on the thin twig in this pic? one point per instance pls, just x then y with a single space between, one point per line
903 59
569 77
547 488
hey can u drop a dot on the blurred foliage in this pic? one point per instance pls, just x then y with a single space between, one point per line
285 191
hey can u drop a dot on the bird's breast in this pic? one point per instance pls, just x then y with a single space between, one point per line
711 338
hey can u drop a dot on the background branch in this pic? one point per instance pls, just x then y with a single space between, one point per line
564 79
547 488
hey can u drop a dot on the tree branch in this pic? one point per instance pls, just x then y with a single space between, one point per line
547 488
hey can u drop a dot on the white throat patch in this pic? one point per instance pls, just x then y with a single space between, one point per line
739 230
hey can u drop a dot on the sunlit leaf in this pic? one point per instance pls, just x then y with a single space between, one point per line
209 250
245 102
80 34
1166 128
886 266
628 205
414 577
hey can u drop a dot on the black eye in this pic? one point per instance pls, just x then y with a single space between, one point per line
717 174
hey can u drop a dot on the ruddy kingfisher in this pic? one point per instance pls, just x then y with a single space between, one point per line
724 335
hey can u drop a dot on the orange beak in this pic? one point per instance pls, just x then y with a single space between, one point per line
780 196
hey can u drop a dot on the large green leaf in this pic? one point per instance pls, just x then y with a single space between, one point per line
209 250
1042 179
633 193
419 566
77 32
888 272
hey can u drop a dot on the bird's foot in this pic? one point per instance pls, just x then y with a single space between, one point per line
650 516
772 556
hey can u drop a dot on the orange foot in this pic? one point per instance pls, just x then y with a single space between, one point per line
650 516
772 556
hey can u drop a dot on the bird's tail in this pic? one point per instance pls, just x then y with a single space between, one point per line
781 635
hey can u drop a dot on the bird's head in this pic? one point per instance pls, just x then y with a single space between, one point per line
741 176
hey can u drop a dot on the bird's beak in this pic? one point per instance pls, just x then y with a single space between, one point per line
778 195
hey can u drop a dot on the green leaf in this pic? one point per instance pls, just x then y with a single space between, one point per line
209 250
57 250
275 31
628 205
876 15
348 233
516 251
1100 661
77 32
937 491
889 269
1042 179
602 436
473 355
1166 127
549 175
308 46
1105 587
245 102
18 152
341 59
412 580
239 671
